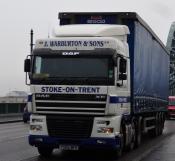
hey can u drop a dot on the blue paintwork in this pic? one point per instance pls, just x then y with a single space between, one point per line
29 98
110 143
26 115
151 72
119 99
149 61
104 19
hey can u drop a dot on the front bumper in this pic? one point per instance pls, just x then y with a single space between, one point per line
90 143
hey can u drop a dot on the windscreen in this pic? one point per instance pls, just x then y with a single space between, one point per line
85 70
71 67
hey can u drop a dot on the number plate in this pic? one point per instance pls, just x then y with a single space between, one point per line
69 147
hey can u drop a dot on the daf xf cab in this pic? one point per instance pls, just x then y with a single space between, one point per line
100 82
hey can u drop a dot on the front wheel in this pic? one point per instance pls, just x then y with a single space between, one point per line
45 151
119 151
133 136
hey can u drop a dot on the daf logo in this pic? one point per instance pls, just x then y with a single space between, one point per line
42 95
70 53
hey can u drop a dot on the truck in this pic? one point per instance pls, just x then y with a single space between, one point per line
101 82
171 107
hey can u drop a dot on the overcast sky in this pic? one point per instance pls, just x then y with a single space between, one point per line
17 17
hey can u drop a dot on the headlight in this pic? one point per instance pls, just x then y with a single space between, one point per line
36 127
107 130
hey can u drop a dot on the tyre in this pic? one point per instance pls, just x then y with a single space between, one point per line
138 139
122 141
133 135
45 151
161 123
155 132
164 117
118 152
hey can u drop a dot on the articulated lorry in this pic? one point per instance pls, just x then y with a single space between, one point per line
100 82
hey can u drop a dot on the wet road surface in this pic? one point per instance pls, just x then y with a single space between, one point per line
166 151
14 147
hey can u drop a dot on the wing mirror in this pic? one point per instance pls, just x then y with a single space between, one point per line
122 66
122 69
27 65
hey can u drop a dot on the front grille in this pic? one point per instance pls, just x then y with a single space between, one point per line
71 97
74 104
69 127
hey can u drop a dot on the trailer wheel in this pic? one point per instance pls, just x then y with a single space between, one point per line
161 123
164 117
155 132
138 133
45 151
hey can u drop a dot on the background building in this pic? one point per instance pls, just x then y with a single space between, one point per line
13 103
171 48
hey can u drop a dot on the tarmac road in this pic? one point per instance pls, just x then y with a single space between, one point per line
13 142
166 151
14 147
